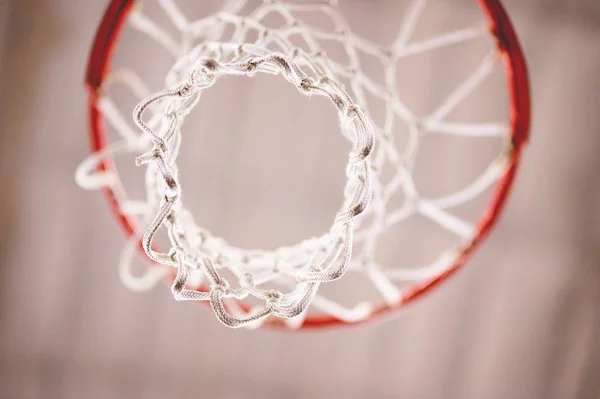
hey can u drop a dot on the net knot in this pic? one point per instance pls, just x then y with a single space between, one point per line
158 152
210 64
352 110
306 84
274 297
186 89
222 288
251 65
358 209
172 216
177 255
173 190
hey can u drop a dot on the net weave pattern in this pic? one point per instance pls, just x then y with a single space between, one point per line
206 50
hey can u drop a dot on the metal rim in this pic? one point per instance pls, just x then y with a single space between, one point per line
509 47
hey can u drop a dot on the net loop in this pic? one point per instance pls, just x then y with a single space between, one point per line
162 157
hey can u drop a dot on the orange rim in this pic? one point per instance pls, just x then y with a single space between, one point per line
99 64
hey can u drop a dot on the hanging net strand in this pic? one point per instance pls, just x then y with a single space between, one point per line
234 42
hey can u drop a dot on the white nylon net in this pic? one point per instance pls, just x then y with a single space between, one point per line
232 43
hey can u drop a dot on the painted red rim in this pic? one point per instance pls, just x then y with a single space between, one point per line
509 47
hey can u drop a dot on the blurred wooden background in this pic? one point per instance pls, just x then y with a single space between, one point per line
521 321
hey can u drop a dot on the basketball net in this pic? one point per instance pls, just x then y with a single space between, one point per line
286 280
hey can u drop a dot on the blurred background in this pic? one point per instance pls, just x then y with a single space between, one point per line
522 320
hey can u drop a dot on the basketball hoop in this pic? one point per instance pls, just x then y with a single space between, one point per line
206 50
